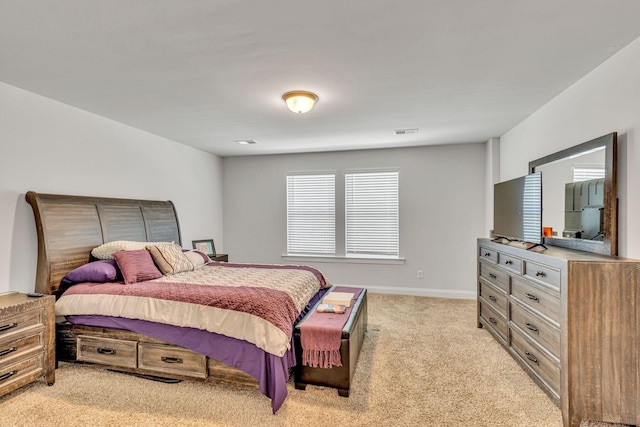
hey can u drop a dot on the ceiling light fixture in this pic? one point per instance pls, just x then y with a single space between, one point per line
246 142
300 101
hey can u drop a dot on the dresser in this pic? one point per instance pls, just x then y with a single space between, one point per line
27 333
571 319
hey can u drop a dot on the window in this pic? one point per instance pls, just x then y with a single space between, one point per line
532 207
587 172
311 211
371 214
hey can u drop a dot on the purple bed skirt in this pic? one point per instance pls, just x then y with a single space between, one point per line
272 372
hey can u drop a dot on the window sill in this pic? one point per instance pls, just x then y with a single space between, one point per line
343 259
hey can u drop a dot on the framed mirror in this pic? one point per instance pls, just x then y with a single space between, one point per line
580 205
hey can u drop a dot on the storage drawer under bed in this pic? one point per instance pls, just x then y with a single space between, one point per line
107 351
168 359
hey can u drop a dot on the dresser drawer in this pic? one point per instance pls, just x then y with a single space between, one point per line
494 275
537 329
107 351
535 358
493 296
171 360
21 324
511 263
491 318
20 347
487 254
538 298
547 275
12 373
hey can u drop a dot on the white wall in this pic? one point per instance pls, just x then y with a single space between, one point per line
492 176
605 100
49 147
442 193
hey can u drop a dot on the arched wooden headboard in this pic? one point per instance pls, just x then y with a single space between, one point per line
69 227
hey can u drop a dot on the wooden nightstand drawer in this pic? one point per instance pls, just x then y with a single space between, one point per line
107 351
171 360
21 347
26 340
22 372
21 324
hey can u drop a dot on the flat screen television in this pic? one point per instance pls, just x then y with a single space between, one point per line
517 209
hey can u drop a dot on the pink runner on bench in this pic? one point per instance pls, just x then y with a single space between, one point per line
321 334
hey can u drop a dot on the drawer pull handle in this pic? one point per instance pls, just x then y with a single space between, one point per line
492 320
493 276
487 254
531 327
492 298
531 357
532 297
7 351
508 262
540 274
7 375
167 359
109 351
7 327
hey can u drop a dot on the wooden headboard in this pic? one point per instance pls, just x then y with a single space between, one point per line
69 227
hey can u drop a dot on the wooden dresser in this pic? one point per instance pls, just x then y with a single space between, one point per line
26 340
571 319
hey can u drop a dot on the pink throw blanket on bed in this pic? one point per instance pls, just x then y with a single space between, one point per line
321 335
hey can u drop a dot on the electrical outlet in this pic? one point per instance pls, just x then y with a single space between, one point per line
420 274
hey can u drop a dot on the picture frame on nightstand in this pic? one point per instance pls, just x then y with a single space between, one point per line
207 246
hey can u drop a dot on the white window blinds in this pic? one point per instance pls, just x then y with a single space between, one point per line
587 172
311 210
371 214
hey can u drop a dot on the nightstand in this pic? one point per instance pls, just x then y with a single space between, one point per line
220 257
27 340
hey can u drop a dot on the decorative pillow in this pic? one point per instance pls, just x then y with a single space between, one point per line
136 266
96 272
169 258
106 250
197 258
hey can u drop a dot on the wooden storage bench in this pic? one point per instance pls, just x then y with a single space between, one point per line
352 337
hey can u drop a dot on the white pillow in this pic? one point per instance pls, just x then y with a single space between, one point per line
106 250
197 258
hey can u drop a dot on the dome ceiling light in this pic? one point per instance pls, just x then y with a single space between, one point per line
300 101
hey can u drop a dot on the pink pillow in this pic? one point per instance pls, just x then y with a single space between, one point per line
136 266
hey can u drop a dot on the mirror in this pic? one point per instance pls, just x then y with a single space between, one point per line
592 226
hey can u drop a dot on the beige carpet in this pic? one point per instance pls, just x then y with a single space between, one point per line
424 363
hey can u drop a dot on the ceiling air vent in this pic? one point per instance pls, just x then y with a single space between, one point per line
405 131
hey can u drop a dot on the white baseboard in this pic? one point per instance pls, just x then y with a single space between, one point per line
437 293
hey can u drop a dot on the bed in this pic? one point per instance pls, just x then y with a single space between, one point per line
212 333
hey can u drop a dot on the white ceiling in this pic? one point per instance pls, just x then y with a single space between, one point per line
208 73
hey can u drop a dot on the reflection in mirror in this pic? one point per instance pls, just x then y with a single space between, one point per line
579 196
561 201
